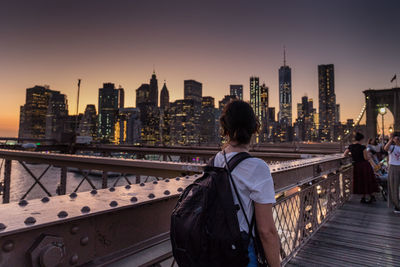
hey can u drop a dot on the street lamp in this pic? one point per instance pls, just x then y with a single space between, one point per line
382 111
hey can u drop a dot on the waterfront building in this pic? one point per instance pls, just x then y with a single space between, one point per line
153 90
32 122
165 116
255 96
193 90
263 136
184 130
285 93
88 124
143 94
147 102
108 111
327 102
207 121
236 90
128 127
164 97
57 113
121 97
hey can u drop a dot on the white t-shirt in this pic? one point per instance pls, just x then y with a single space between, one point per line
254 182
394 155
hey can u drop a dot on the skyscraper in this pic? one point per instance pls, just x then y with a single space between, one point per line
121 97
164 97
128 126
147 102
143 94
88 124
184 130
33 113
255 96
108 111
237 90
207 121
264 113
193 90
153 93
57 114
327 102
285 93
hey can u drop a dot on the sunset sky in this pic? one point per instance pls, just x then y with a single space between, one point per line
215 42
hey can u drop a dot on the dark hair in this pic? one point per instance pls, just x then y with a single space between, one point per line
239 122
359 136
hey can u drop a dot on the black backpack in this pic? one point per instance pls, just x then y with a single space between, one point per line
204 226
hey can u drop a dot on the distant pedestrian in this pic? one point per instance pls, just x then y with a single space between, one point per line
393 147
364 180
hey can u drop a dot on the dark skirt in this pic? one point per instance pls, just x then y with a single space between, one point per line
364 179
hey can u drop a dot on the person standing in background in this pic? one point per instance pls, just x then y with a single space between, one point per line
363 174
393 147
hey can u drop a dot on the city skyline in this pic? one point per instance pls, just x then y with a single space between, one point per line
175 38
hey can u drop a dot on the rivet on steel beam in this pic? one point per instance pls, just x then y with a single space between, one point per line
127 186
112 189
113 203
84 240
62 214
142 184
73 195
74 259
23 203
177 178
93 192
85 209
166 180
180 189
155 182
151 195
187 177
195 175
166 192
30 220
45 199
2 226
133 199
8 246
74 229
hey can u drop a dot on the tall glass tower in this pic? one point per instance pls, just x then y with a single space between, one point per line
285 93
255 96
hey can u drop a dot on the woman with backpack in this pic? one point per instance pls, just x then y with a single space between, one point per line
225 218
252 178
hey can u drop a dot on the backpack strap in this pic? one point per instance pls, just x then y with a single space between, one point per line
236 159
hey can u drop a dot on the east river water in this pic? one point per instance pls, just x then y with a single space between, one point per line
21 181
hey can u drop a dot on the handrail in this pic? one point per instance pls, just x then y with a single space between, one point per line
109 224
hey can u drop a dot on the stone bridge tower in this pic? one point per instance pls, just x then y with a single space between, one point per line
375 99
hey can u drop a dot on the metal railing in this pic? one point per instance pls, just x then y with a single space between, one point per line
126 224
128 171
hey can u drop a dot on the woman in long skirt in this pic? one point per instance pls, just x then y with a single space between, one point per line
364 180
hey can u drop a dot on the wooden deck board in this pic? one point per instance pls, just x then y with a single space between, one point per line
356 235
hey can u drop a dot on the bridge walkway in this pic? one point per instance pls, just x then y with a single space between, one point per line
356 235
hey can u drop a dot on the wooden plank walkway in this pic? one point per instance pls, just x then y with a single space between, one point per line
356 235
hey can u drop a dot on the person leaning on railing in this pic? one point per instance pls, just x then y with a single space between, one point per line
393 147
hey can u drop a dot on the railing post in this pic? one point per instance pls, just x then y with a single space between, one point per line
104 180
7 181
63 181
